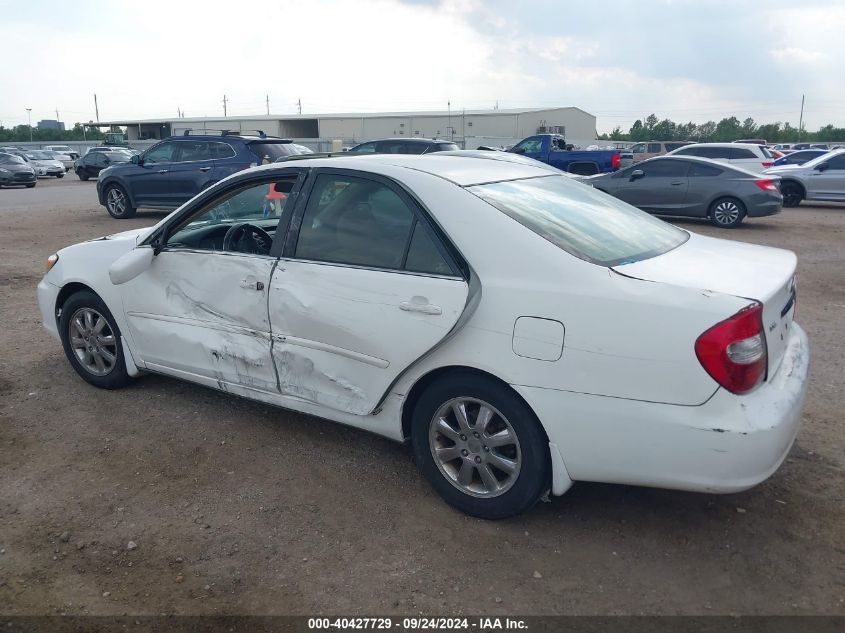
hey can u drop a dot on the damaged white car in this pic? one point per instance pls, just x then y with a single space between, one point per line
522 330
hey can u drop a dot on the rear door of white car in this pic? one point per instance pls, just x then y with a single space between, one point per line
366 286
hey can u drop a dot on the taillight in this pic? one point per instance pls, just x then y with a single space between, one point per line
769 164
766 185
733 352
615 161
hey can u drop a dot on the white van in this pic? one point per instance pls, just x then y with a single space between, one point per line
643 151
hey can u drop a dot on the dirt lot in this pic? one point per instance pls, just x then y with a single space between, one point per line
237 507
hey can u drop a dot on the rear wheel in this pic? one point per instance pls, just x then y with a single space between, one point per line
60 175
727 213
480 446
792 194
91 340
117 203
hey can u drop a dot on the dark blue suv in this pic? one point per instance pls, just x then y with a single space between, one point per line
175 170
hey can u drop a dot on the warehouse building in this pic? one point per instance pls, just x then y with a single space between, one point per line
469 128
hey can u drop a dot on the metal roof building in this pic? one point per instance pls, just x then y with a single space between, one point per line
472 127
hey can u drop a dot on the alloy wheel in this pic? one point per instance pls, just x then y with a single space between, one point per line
475 447
116 201
726 212
92 341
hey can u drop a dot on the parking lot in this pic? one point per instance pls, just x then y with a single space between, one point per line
167 497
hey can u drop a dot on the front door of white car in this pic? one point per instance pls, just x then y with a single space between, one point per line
365 287
200 310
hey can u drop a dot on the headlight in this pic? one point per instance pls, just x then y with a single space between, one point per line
51 261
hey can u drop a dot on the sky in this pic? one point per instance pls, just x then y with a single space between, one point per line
687 60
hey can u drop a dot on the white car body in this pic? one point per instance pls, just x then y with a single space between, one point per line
45 166
750 156
64 159
63 149
602 354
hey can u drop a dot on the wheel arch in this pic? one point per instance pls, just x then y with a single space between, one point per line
441 373
67 290
794 181
113 180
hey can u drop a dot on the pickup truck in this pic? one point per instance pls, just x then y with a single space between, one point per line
552 150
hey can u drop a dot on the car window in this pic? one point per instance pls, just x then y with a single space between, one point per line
673 146
416 148
261 205
639 148
366 148
699 170
581 220
837 162
653 148
193 151
354 221
219 151
160 154
99 159
11 159
268 152
448 147
390 147
664 168
529 145
766 152
739 152
423 254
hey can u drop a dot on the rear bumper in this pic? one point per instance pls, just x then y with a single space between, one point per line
728 444
761 205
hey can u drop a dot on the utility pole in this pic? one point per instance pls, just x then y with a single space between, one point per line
224 105
268 105
29 119
178 112
57 115
449 126
96 108
299 105
801 119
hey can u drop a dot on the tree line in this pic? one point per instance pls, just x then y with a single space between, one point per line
21 133
726 130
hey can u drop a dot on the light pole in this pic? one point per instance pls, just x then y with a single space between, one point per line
29 122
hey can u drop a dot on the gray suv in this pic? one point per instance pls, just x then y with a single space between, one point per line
822 178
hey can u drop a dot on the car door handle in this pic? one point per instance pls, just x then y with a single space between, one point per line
204 168
162 171
424 308
251 284
674 184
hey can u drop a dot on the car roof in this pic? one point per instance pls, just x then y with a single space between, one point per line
410 139
698 159
748 145
460 170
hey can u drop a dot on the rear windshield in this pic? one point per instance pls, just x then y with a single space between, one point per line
269 152
581 220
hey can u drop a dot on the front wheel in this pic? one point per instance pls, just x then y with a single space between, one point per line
117 203
82 174
480 446
91 340
60 175
30 185
727 213
792 194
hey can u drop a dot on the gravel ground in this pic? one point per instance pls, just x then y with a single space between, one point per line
166 497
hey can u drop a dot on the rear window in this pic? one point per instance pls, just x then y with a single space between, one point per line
269 152
738 152
448 147
582 221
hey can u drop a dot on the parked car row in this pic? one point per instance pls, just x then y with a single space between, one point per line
14 170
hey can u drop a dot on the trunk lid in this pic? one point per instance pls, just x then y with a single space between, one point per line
760 273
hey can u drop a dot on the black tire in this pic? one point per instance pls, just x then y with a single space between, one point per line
60 175
111 194
82 174
116 376
533 477
727 213
792 193
31 185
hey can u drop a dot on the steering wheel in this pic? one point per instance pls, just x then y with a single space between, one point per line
236 239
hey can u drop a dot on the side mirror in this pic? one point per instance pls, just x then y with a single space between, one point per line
519 150
135 159
130 265
637 173
822 167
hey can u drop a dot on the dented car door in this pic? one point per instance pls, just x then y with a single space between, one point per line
364 288
200 310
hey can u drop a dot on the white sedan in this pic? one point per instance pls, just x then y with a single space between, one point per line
522 330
